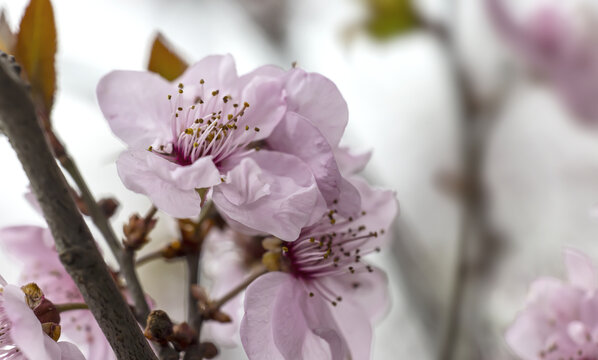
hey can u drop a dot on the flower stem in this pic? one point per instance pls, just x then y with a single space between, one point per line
217 304
71 306
146 258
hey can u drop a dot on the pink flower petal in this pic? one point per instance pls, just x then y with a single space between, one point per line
26 330
297 136
129 101
316 98
580 269
256 327
215 70
350 163
292 201
366 291
139 177
70 351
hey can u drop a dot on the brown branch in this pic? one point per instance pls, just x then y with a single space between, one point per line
74 242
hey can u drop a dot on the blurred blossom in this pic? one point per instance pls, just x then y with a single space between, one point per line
23 336
562 46
560 320
34 247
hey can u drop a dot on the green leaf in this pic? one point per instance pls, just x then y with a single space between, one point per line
164 61
35 51
390 17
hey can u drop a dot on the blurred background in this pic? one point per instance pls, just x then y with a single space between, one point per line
421 78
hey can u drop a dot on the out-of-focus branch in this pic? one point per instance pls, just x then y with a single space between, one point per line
74 242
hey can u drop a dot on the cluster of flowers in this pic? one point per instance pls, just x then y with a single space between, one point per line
559 41
264 149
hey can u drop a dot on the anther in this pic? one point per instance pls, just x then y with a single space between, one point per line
215 92
202 81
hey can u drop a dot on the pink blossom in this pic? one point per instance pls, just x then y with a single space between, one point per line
322 303
560 320
203 132
560 48
21 335
228 258
33 246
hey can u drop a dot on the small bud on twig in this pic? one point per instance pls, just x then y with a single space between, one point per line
136 231
183 336
159 327
208 350
108 206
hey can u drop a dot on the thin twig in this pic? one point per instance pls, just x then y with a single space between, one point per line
123 256
148 257
217 304
71 306
98 217
193 279
74 243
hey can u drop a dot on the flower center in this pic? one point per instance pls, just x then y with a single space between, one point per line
332 247
213 125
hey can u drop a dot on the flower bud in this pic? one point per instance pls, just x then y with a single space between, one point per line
208 350
46 312
136 231
183 336
52 330
108 206
159 327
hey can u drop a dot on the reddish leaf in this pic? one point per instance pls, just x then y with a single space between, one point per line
165 61
35 51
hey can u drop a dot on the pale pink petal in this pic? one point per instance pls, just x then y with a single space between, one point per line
136 106
297 136
267 71
523 336
366 291
25 243
316 98
218 71
26 330
319 319
256 327
292 334
292 200
267 107
381 208
356 328
70 351
136 176
349 162
580 269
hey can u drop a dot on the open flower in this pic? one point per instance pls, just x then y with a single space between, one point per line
228 258
21 333
560 320
561 48
322 302
34 247
202 132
